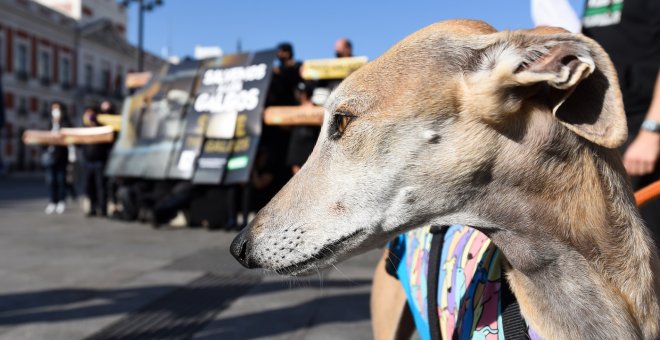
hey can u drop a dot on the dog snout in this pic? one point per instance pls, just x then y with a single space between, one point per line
240 249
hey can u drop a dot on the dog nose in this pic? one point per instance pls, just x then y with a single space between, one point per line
240 249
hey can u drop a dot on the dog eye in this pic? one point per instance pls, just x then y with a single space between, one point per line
343 123
340 123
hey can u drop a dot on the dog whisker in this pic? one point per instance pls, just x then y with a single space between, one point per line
344 275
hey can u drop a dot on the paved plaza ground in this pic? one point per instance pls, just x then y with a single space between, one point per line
71 277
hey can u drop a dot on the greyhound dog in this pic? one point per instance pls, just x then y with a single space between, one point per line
514 133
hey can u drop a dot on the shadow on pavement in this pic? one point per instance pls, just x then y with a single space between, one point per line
76 304
18 188
324 310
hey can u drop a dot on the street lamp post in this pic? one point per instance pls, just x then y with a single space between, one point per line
143 6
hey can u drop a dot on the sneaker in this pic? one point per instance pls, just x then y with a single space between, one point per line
50 208
59 209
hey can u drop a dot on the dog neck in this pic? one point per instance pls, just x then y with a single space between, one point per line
580 261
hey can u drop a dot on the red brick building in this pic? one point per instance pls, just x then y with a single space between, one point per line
46 55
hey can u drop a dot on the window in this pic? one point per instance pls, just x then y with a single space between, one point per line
65 71
119 85
45 109
89 76
44 67
21 60
119 81
22 105
105 80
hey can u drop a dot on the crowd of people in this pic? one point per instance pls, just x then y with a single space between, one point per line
282 151
59 162
629 35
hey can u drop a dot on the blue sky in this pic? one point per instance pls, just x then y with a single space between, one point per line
312 26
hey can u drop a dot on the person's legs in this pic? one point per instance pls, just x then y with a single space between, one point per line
70 182
51 184
101 194
61 178
60 188
113 187
90 189
52 192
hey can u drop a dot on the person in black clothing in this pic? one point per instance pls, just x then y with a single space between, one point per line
286 77
95 157
629 31
271 171
112 185
303 138
54 159
70 177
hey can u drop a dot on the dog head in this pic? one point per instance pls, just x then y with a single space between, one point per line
451 125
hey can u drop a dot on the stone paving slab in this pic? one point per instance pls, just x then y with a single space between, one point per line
76 313
68 277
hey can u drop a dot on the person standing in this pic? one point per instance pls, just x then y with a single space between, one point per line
95 157
303 138
70 178
629 31
286 76
54 159
271 172
112 183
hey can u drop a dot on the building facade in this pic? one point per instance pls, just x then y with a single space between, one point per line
48 55
85 11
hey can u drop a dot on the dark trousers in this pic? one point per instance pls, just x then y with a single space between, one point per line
70 181
55 178
95 188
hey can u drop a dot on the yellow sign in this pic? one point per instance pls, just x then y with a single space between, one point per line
137 79
113 121
227 145
338 68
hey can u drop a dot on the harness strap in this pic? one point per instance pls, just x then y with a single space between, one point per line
393 260
513 324
432 279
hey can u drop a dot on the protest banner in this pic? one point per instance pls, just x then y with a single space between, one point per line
231 97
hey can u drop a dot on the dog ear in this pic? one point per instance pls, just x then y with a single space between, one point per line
569 74
583 91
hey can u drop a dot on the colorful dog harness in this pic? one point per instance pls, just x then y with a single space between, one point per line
458 272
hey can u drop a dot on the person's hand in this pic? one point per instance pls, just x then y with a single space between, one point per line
642 154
